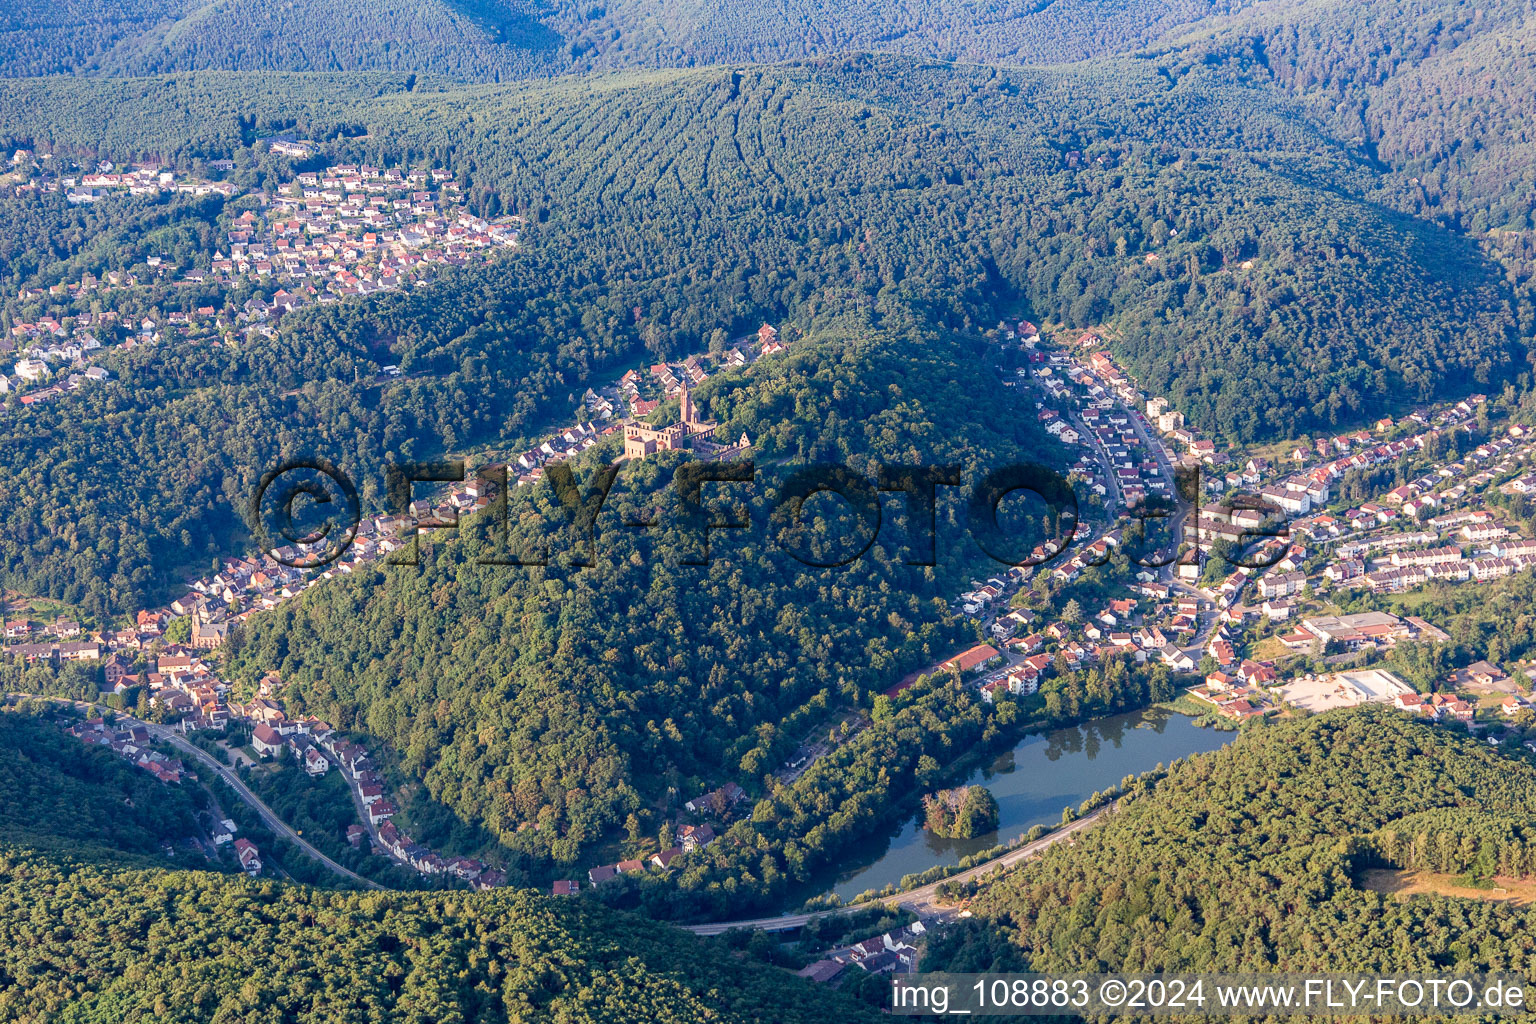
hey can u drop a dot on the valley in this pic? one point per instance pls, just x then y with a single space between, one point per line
491 488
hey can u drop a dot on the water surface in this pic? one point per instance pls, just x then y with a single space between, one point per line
1033 782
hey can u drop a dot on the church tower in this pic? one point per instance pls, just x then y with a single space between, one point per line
686 411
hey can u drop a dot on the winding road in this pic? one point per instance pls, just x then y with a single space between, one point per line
924 900
268 816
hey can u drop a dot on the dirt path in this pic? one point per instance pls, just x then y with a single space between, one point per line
1405 884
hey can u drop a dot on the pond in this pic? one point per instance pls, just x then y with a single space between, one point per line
1032 782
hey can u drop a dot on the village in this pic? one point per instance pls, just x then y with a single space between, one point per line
355 229
134 744
59 361
1227 634
186 689
1436 527
891 952
328 235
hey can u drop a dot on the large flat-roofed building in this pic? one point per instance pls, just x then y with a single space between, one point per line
1360 629
1372 686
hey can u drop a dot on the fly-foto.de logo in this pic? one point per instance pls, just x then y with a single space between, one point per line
307 513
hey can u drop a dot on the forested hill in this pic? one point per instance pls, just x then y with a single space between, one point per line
89 934
170 947
1246 263
1250 263
1440 91
554 704
496 40
88 943
1408 77
1251 859
478 40
58 793
986 31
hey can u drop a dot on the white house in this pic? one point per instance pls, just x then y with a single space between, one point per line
31 370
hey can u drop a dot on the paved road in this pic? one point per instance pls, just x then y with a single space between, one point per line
268 817
354 792
925 900
1182 508
1112 495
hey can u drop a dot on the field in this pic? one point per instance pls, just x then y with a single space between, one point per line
1271 649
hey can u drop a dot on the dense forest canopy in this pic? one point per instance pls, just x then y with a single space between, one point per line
1438 92
495 40
154 945
60 793
92 928
474 39
1244 260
